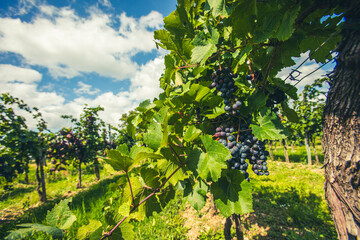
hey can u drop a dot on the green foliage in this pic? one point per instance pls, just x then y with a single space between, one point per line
58 219
61 216
18 143
174 132
91 231
232 194
309 112
269 127
28 229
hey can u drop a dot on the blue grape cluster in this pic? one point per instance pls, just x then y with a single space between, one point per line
223 81
243 146
235 133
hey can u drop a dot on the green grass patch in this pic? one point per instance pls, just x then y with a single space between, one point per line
288 204
297 154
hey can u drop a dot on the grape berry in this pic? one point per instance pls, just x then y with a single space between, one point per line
243 146
223 81
235 134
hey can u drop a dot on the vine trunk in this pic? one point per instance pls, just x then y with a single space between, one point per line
341 140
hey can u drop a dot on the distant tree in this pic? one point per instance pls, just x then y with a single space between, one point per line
19 144
89 130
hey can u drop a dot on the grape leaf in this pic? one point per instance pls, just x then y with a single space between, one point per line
123 232
202 53
153 137
136 188
218 7
213 161
286 27
168 167
232 193
119 161
123 148
145 105
193 160
204 47
61 216
191 133
196 195
173 24
165 38
270 127
149 177
90 231
290 113
27 229
155 203
217 111
256 100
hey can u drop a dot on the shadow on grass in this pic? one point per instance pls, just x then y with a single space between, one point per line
38 214
290 215
15 192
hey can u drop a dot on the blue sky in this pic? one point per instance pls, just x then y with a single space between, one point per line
58 55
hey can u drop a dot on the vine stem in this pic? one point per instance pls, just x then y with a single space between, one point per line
141 202
132 195
181 58
271 63
176 154
252 71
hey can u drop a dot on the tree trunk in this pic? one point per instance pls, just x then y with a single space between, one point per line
312 141
26 178
40 178
341 140
286 155
271 153
227 229
292 147
239 231
78 185
308 150
42 175
39 172
96 169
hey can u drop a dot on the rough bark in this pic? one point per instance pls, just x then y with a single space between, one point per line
227 229
239 231
312 141
271 153
286 155
341 140
308 150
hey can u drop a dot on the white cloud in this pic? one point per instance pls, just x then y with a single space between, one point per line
105 3
69 45
10 73
22 83
85 89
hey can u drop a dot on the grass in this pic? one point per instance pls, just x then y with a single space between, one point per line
23 196
21 204
289 204
298 154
